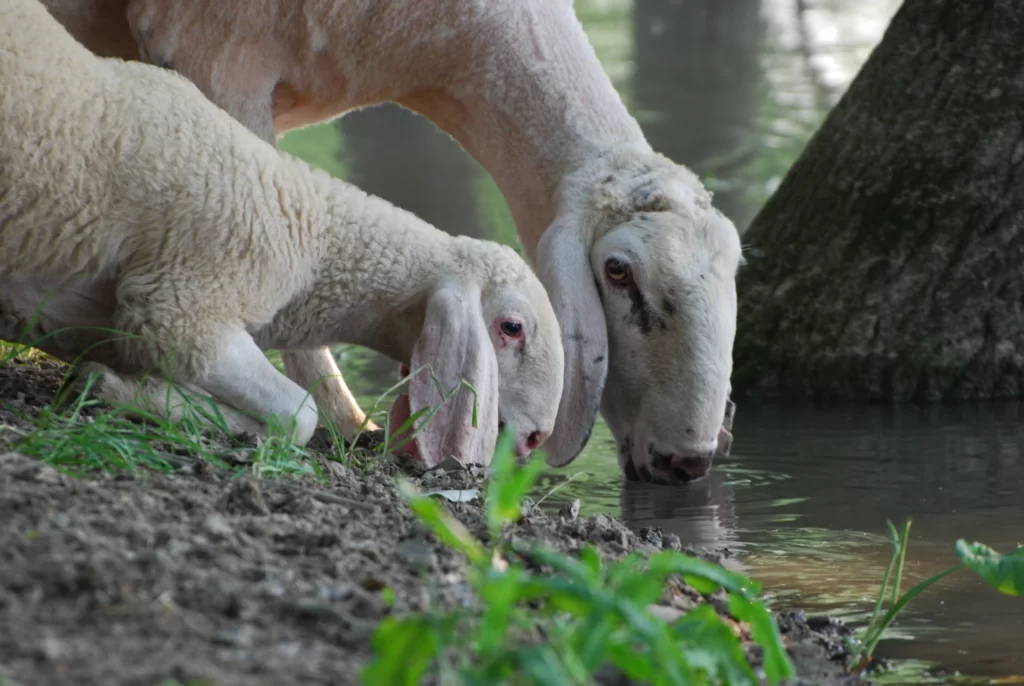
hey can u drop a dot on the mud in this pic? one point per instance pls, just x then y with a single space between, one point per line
209 576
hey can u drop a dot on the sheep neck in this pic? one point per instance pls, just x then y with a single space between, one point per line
376 266
532 105
517 84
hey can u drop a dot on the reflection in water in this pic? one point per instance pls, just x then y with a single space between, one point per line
802 504
734 88
696 89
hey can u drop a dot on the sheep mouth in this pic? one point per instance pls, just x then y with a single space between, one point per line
665 470
674 470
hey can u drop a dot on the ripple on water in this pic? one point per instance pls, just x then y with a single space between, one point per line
802 503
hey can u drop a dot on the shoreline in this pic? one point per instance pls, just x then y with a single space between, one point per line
212 575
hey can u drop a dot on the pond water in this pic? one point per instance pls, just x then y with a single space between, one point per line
734 89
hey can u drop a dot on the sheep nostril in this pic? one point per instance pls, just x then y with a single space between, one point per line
535 439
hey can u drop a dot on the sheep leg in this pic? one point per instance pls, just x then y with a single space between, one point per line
247 97
155 395
221 359
241 375
316 370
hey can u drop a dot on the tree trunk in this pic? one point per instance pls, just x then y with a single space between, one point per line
888 265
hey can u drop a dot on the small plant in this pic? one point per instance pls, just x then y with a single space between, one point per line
1005 573
562 627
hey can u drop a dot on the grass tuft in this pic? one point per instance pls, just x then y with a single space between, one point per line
573 617
1005 573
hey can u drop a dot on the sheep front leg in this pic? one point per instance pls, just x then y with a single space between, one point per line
156 395
316 370
240 374
219 360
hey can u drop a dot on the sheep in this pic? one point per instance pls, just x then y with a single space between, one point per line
130 202
639 265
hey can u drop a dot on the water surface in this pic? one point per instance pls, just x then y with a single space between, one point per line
802 504
734 89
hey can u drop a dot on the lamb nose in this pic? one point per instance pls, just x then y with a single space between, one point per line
535 439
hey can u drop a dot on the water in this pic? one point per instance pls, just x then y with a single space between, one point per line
734 89
802 503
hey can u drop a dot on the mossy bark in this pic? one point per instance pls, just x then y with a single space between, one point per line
889 265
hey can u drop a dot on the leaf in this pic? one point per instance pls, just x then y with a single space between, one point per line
871 640
635 664
592 637
571 567
1005 573
590 558
500 593
710 645
777 665
541 663
509 483
700 572
897 548
403 650
642 588
449 530
671 663
465 495
569 596
901 543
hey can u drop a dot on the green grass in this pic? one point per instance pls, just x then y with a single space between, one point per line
1004 573
79 434
562 624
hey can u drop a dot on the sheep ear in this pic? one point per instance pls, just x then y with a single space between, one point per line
454 347
564 268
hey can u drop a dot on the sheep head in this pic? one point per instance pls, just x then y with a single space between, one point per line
489 338
642 271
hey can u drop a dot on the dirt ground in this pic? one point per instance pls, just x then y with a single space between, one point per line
204 576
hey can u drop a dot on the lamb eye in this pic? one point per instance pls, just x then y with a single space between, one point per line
617 272
512 329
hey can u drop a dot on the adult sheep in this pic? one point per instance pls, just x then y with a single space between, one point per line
129 202
639 265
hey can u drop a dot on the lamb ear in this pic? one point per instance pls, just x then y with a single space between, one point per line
455 346
563 266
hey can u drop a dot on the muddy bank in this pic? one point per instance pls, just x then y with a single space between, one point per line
210 576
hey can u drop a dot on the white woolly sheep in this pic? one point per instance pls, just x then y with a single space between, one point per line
639 265
129 201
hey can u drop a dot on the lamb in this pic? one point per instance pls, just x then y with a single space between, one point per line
639 265
129 201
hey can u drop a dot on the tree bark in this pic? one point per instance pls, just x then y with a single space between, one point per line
888 265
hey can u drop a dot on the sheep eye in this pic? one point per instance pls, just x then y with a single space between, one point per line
618 272
512 329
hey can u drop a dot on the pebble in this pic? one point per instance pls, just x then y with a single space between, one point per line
570 511
653 535
217 526
418 554
237 637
